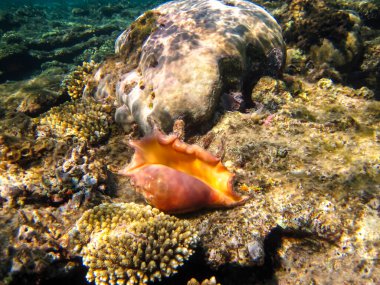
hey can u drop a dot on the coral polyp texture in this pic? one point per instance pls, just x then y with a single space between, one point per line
178 177
211 281
75 82
196 53
127 243
84 120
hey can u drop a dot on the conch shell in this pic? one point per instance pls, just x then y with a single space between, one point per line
176 177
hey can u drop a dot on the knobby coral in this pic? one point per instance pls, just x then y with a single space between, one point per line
178 177
211 281
127 243
75 82
83 120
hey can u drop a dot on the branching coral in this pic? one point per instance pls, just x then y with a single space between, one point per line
211 281
126 243
75 82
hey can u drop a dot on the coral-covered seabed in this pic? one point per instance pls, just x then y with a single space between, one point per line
306 151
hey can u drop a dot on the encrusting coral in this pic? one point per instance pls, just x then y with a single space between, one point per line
13 149
316 161
178 177
127 243
84 120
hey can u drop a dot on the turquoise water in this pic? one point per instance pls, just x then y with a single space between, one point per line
38 34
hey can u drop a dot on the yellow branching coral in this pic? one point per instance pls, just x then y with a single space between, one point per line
87 121
211 281
127 243
75 82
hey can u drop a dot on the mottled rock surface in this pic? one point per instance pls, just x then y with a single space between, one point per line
195 53
312 168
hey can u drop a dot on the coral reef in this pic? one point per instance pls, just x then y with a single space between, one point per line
34 243
369 11
343 49
13 149
211 281
85 121
331 35
75 82
307 166
352 259
40 35
371 64
203 61
305 149
126 243
78 174
176 177
270 94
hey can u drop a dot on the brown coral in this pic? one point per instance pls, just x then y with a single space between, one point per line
14 150
75 82
211 281
85 121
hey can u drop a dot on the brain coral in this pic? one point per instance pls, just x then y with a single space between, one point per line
197 53
127 243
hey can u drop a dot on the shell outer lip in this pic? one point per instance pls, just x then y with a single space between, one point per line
218 198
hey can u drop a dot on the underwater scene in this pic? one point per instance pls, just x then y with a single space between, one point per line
189 142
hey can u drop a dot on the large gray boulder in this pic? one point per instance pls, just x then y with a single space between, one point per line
185 59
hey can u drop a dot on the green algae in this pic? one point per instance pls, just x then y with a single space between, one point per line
304 114
139 31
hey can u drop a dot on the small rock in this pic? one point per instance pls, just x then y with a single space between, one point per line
256 251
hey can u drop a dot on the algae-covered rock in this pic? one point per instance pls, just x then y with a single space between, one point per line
127 243
194 53
332 36
33 96
311 166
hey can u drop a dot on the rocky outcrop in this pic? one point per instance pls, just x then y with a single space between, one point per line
190 57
